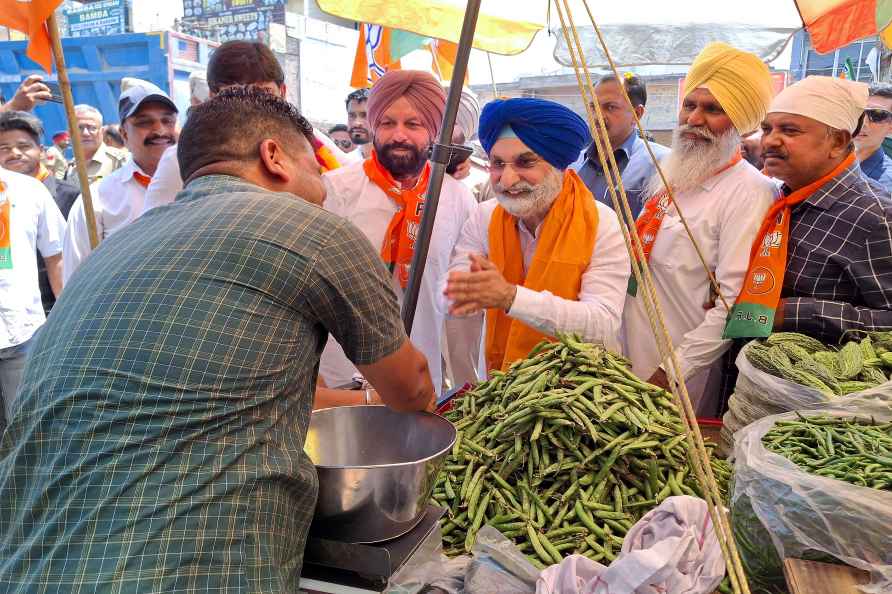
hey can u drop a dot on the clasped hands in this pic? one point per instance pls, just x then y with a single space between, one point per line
482 287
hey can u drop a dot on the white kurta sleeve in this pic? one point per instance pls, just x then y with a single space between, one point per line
741 221
165 183
597 315
76 244
50 228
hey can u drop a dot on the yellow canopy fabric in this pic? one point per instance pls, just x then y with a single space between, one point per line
504 27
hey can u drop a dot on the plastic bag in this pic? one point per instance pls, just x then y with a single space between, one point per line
758 394
496 567
808 516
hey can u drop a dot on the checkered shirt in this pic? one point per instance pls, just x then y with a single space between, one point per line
839 263
157 444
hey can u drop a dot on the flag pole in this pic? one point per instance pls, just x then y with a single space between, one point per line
442 151
74 130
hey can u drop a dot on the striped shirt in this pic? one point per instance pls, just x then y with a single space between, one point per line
158 446
839 264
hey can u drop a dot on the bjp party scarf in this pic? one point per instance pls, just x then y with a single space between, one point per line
399 240
650 221
753 313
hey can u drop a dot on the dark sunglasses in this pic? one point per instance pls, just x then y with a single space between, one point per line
344 144
877 116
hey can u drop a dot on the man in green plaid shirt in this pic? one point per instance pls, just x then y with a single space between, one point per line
157 441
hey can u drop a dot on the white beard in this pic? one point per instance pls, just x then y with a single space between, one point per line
690 162
533 201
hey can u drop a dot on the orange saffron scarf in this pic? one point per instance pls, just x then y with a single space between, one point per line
399 240
651 219
42 173
563 253
753 314
5 230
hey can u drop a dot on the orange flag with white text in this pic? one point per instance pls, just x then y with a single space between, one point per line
29 17
373 55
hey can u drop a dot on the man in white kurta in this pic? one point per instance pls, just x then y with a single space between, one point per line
543 214
723 198
405 111
148 124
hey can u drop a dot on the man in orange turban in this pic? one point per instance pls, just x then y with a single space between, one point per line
384 197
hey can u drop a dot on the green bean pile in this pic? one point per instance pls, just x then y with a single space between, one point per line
857 451
562 453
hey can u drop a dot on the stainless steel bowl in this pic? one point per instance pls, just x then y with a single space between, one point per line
377 469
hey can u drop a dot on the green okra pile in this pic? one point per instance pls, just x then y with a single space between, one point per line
857 365
563 453
857 451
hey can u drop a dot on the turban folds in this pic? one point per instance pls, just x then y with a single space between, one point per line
832 101
422 91
739 80
468 113
552 131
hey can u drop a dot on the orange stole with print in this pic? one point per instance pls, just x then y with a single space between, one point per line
399 240
563 253
5 229
753 314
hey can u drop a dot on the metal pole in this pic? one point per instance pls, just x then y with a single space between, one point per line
439 160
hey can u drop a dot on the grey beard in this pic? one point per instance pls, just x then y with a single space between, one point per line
538 199
689 164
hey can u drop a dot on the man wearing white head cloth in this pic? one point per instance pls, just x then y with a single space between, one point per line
821 263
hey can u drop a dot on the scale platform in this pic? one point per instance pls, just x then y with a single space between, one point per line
334 567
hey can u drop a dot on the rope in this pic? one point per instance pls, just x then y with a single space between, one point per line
696 448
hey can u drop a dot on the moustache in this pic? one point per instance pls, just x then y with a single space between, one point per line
699 131
520 187
152 140
399 145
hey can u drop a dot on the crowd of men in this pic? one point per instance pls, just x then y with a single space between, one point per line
250 268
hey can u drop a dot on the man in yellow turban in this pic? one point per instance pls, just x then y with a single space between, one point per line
723 198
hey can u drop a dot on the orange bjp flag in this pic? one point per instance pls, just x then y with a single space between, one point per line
29 17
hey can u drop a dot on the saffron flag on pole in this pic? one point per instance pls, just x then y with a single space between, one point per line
29 17
379 49
833 24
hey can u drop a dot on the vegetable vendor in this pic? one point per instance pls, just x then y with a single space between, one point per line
543 256
821 263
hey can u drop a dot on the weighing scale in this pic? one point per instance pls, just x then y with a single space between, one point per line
334 567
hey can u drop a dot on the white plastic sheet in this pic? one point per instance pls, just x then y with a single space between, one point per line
805 514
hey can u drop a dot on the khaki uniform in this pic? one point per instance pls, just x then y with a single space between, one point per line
106 160
56 162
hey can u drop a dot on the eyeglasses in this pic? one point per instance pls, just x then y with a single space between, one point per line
344 144
878 116
521 164
88 128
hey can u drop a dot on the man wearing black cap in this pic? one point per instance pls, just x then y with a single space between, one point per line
148 125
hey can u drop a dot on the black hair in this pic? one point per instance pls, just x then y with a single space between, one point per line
241 62
359 95
24 121
635 87
114 132
251 116
338 128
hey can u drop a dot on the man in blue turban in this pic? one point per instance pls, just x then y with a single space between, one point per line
542 257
